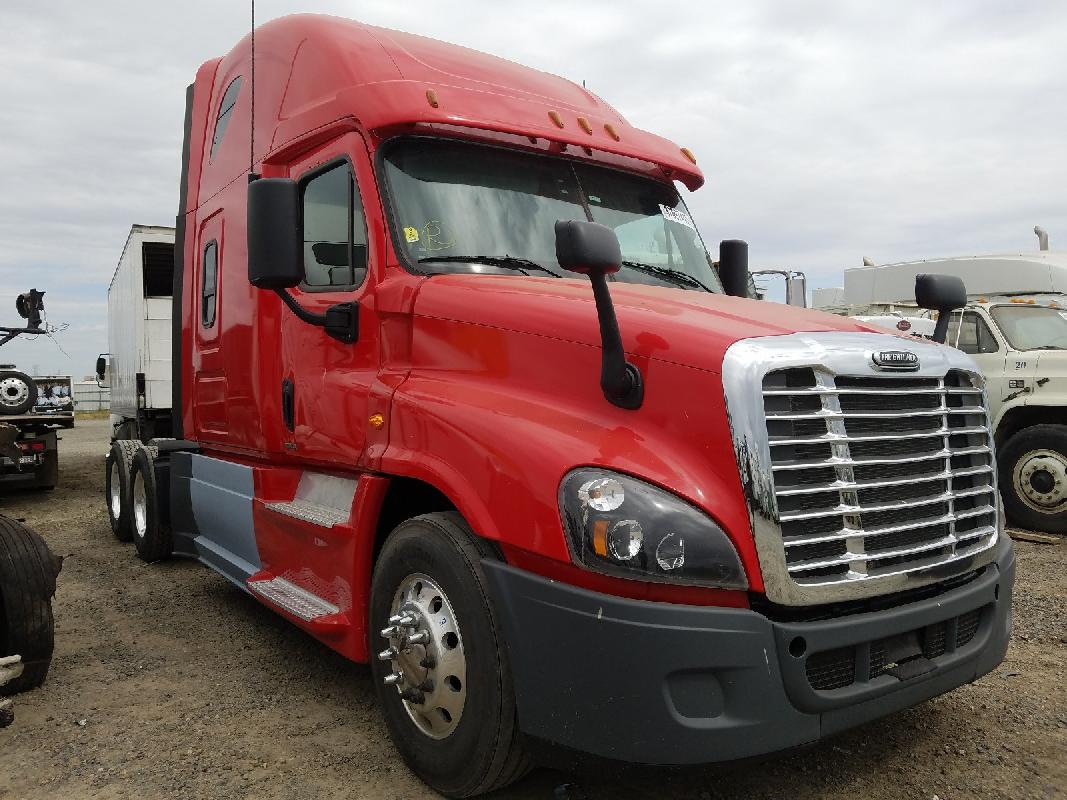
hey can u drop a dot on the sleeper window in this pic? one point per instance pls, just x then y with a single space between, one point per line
229 100
209 284
335 233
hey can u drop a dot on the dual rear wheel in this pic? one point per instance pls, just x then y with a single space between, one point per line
132 499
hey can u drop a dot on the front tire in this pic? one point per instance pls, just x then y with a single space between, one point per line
448 700
1033 478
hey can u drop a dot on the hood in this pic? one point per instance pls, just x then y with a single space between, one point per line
684 327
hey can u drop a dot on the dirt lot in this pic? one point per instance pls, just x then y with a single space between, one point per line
169 682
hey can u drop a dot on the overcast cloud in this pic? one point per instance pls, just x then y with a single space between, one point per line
828 131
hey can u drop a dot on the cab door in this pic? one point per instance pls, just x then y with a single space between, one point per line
326 382
972 334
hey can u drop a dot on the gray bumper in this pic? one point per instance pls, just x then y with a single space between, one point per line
655 683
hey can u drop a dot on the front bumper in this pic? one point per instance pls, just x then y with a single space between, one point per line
656 683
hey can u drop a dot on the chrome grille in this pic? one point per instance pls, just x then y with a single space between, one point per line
878 474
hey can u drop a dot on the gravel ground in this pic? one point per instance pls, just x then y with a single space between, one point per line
169 682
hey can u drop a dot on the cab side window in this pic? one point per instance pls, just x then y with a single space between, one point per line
334 231
209 282
974 335
229 100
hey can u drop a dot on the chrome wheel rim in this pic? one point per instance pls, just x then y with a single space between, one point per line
140 513
13 391
1040 479
115 500
426 658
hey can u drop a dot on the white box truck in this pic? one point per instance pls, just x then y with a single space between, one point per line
137 368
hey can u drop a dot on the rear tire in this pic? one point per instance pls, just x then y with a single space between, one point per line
18 392
151 536
1033 478
28 573
117 467
482 751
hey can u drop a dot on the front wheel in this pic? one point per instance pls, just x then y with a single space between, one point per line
443 679
1033 477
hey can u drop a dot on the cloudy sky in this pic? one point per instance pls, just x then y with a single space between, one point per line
828 130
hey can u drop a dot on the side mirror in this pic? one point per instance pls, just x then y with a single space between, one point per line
101 372
592 249
941 293
274 257
733 267
796 290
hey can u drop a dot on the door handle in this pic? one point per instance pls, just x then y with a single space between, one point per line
288 404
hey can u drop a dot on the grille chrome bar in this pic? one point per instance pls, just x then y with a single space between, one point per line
809 390
847 533
839 485
859 462
824 414
858 509
837 437
882 555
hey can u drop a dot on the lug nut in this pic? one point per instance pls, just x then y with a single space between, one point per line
422 637
413 696
388 654
403 620
390 632
393 678
428 663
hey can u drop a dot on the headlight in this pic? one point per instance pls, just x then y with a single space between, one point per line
627 528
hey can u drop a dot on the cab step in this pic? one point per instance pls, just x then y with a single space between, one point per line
323 500
289 597
307 511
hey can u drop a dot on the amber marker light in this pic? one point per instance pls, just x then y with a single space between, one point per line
376 421
556 118
600 537
431 98
611 131
689 155
583 123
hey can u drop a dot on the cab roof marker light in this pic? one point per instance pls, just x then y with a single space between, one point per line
611 131
431 98
556 118
689 155
583 123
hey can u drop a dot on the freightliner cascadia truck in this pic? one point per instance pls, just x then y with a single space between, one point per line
459 391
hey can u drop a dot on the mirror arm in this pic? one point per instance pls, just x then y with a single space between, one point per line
620 380
941 326
310 317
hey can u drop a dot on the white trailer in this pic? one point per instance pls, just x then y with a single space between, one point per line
137 368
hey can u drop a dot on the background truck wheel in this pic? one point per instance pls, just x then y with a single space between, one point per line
117 465
28 573
151 536
18 392
1033 478
445 689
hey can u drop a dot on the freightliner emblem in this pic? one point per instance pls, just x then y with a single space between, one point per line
899 360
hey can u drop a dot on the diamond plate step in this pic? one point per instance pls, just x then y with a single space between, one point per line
324 516
298 602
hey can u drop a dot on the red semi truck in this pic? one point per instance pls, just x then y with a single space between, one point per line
459 392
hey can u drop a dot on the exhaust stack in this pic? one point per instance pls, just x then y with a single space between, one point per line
1042 237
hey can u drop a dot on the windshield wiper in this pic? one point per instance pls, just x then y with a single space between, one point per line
668 273
505 262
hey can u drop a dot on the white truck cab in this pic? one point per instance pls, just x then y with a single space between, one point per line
1015 328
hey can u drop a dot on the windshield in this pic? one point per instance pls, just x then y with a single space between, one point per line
461 207
1029 327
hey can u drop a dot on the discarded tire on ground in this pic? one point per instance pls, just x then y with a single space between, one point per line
28 571
18 392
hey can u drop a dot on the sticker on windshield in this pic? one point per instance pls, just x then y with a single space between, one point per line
411 235
676 215
436 237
